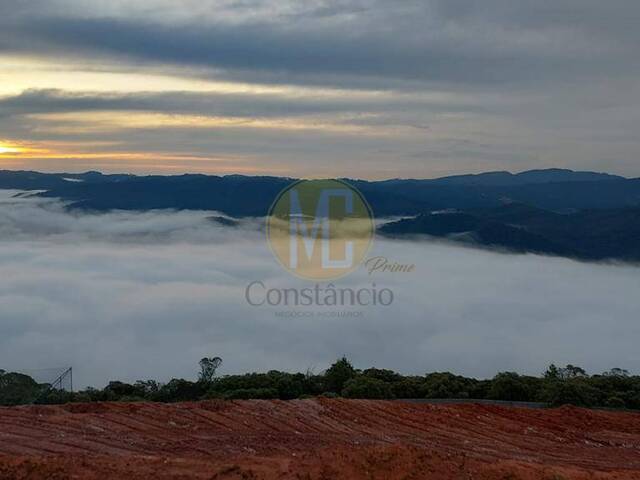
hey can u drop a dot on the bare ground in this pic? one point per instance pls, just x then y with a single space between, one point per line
316 439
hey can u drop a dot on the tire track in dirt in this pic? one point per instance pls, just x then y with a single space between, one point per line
318 436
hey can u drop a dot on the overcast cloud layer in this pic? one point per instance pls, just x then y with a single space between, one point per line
343 88
145 295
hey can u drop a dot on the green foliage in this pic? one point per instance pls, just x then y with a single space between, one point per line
367 387
615 402
180 390
208 368
447 385
56 397
573 391
82 397
617 373
251 393
632 399
410 387
552 373
120 389
514 388
286 385
147 388
18 389
330 395
338 375
385 375
616 388
480 389
567 373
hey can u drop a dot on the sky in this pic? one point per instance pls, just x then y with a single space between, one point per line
344 88
139 295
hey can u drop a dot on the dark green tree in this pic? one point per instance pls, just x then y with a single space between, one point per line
512 387
208 368
338 375
18 389
367 387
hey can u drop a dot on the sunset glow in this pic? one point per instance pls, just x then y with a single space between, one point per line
8 148
408 90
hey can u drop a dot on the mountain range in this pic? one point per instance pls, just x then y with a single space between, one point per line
587 234
584 215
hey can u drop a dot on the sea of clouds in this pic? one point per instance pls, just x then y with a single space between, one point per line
134 295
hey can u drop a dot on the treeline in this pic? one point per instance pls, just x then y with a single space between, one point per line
557 386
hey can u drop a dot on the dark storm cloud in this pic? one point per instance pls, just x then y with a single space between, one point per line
543 83
221 104
457 43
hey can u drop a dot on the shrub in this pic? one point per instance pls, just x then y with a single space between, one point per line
367 387
56 397
615 402
512 387
446 385
17 389
180 390
385 375
410 387
252 393
572 392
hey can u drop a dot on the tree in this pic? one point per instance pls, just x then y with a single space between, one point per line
617 372
409 387
147 388
567 373
18 389
552 373
511 387
181 390
208 367
381 374
338 374
446 385
571 371
367 387
115 390
615 402
574 391
251 393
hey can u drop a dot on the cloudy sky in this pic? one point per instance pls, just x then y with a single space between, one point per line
132 295
359 88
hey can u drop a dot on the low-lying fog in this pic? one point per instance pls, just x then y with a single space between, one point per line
133 295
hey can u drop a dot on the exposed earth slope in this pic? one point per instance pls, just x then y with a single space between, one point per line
316 439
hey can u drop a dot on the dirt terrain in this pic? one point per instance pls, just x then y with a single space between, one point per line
315 439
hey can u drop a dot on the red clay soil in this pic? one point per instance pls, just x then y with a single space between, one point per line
315 439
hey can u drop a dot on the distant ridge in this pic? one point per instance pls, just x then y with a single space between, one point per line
529 177
586 215
238 195
505 178
587 235
499 177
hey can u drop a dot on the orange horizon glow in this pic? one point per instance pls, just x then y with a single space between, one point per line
10 148
21 156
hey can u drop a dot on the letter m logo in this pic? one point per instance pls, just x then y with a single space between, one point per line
320 229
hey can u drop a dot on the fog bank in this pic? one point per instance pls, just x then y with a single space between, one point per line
133 295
